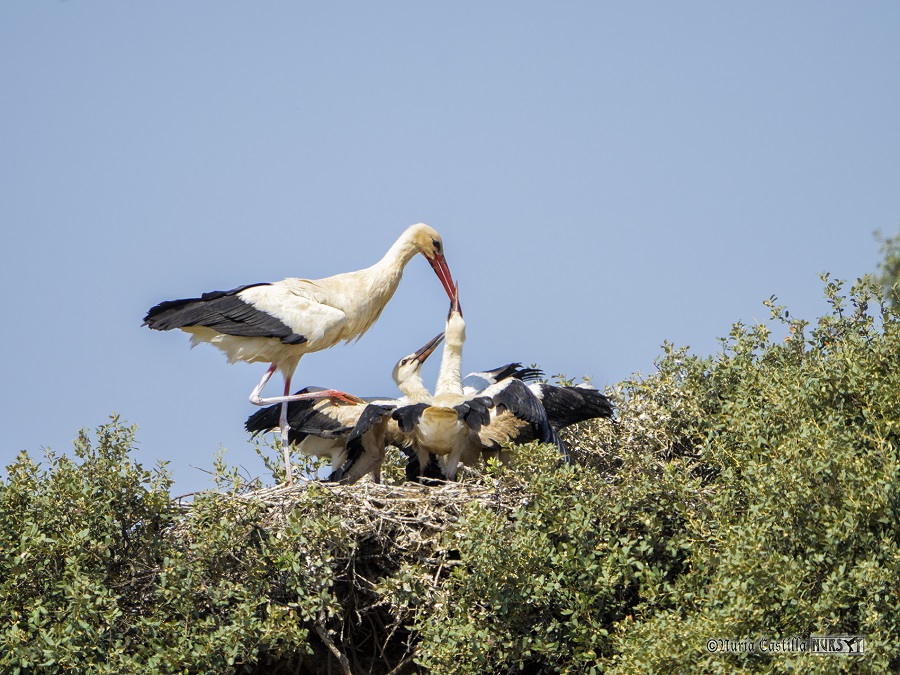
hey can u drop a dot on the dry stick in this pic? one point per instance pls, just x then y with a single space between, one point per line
345 664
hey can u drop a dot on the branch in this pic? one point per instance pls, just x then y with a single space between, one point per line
345 664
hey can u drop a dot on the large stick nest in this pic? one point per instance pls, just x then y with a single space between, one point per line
388 526
410 514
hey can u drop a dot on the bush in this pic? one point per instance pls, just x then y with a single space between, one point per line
749 494
81 541
797 443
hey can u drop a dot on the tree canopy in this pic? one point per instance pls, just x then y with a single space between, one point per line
753 493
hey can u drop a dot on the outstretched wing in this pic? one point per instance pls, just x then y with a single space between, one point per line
518 416
478 381
306 417
568 405
269 418
516 397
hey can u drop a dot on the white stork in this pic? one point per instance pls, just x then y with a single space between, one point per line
353 436
564 406
458 427
478 381
279 322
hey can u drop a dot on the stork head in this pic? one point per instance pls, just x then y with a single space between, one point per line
409 368
428 242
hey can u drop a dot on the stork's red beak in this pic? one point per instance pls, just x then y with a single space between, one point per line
429 347
439 265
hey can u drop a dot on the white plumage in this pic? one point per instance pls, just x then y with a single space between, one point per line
279 322
458 427
323 428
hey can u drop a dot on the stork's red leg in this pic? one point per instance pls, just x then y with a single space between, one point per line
254 396
256 399
335 395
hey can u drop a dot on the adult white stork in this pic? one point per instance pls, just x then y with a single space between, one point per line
279 322
459 427
353 436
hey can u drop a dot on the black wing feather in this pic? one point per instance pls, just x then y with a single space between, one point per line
476 412
561 447
269 418
373 415
223 311
515 370
521 402
568 405
408 416
304 419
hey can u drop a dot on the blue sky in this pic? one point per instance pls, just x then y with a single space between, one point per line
605 176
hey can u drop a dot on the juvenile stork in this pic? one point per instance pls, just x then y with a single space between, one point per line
353 436
476 382
279 322
569 405
459 427
564 406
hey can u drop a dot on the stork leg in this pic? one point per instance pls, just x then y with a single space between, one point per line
334 394
450 468
256 399
254 396
285 442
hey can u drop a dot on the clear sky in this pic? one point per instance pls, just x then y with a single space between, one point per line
605 176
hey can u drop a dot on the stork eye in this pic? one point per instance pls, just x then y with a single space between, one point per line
437 245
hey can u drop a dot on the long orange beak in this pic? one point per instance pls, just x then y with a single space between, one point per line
439 265
429 347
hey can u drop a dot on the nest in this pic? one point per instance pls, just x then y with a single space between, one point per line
411 514
388 526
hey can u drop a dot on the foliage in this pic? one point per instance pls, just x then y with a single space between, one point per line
797 447
79 542
889 267
749 494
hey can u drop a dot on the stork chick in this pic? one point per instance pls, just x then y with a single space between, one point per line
353 436
457 427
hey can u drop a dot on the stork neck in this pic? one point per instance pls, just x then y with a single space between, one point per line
401 252
383 278
450 374
414 389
